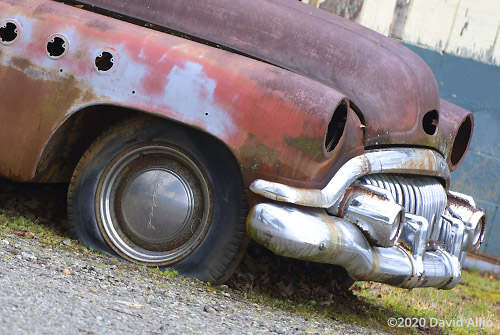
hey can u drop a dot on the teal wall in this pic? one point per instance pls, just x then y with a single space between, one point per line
475 86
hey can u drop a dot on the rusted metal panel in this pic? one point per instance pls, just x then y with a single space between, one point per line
273 120
452 117
392 87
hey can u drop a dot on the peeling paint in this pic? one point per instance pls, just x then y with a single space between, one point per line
229 96
191 93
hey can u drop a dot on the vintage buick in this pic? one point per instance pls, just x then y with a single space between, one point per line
171 119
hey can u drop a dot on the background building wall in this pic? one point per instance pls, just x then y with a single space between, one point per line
459 39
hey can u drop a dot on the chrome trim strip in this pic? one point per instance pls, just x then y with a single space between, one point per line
401 160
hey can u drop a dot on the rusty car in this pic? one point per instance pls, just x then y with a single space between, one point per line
185 128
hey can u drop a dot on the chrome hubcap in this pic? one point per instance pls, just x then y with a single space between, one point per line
154 204
157 205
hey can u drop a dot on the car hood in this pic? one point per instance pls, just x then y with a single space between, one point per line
390 86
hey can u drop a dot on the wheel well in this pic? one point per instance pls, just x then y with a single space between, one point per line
72 138
76 134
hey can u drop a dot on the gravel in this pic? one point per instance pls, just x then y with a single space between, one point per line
54 290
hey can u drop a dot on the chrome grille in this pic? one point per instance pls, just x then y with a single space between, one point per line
419 195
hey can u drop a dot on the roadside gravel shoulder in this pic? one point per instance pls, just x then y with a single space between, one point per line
55 290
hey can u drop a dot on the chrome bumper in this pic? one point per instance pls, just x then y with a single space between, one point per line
369 233
410 161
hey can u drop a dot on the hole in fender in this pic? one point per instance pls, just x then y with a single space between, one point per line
105 61
8 32
56 46
430 122
461 142
336 127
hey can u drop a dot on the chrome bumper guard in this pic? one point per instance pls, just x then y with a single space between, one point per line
364 229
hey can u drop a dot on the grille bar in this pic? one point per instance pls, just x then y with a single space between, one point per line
419 195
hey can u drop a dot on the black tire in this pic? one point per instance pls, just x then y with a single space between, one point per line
146 166
342 277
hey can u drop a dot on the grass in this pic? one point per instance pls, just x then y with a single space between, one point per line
476 300
30 229
166 272
297 308
368 304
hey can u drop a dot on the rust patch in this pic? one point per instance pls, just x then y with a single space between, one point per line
260 157
21 63
43 9
308 146
352 190
343 201
262 102
406 247
451 118
28 123
366 167
101 25
393 90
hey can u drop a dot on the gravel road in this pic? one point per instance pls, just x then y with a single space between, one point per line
52 290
